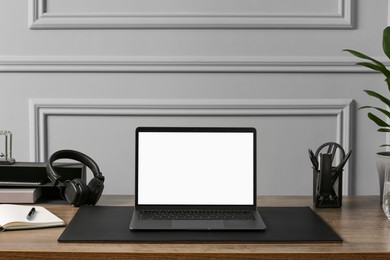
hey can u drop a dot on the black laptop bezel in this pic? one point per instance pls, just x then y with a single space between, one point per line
252 130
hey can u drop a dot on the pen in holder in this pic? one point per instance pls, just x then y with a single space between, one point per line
327 178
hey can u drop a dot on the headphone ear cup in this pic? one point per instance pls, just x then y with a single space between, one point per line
76 192
95 187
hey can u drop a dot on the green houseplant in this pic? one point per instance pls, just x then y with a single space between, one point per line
382 121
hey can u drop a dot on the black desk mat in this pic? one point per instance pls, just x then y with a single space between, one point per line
284 224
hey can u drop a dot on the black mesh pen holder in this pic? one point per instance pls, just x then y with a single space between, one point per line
331 195
327 178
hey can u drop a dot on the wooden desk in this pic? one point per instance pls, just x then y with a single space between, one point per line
360 222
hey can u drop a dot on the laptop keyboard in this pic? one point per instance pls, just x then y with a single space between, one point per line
197 214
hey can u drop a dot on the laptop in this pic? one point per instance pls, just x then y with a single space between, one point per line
195 178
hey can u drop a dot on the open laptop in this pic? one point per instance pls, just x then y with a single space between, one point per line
191 178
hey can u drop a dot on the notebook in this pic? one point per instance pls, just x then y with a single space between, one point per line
13 217
191 178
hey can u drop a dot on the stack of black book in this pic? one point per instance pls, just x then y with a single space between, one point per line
27 182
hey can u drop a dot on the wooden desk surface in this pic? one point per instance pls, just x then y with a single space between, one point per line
360 222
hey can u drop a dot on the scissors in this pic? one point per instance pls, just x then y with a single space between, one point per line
332 149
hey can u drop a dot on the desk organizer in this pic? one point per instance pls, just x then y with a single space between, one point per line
327 178
333 195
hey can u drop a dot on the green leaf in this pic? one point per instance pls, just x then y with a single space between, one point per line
388 82
370 66
375 67
386 130
378 96
383 69
377 120
385 145
386 41
364 56
384 111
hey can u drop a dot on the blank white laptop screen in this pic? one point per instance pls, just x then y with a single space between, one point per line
195 168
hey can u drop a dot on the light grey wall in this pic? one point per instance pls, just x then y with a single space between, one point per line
84 75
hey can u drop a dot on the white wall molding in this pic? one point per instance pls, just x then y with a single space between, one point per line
388 13
180 64
41 109
40 18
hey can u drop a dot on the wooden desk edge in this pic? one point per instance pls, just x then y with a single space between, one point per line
355 211
59 255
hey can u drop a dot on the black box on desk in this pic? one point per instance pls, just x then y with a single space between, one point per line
34 175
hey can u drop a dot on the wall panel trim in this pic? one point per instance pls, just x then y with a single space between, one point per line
41 19
41 109
175 64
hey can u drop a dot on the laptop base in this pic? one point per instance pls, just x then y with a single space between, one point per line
139 224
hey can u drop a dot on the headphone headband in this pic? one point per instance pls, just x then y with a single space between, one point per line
74 155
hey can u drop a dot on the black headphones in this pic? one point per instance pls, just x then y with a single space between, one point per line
75 191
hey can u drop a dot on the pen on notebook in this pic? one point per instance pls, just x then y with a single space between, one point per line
30 214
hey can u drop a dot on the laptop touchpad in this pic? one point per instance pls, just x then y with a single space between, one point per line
197 224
